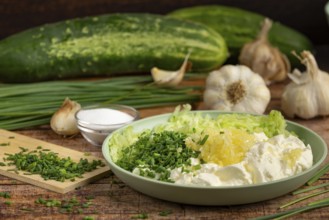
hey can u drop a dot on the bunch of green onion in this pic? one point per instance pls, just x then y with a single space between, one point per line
28 105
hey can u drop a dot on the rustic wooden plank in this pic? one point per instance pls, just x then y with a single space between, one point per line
114 200
16 141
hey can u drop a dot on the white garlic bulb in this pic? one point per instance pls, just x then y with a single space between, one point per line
307 96
236 88
264 59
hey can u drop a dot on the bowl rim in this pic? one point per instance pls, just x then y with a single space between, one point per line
85 124
107 156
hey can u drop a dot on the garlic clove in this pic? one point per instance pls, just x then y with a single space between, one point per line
63 121
170 78
265 59
297 77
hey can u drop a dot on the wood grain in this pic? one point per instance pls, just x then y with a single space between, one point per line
14 142
114 200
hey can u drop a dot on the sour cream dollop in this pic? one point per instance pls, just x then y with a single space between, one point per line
269 159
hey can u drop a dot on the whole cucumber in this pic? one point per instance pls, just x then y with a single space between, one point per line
108 45
239 26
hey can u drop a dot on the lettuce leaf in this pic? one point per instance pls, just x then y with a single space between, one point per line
190 122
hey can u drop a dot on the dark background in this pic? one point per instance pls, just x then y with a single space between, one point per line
306 16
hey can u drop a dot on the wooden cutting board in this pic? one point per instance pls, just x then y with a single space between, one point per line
11 142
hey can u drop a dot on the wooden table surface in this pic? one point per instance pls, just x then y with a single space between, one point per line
112 199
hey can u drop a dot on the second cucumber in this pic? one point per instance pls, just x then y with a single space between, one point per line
108 45
239 26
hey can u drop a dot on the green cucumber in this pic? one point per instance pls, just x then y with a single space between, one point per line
239 26
108 45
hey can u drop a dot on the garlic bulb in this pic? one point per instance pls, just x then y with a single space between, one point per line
63 121
170 78
307 95
265 59
236 88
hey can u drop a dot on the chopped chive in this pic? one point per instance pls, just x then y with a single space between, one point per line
14 170
5 195
23 149
4 144
170 150
26 209
204 139
89 197
165 212
50 166
142 215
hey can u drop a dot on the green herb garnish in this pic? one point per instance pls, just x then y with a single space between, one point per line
140 216
72 205
5 195
156 154
165 212
48 202
50 166
4 144
26 209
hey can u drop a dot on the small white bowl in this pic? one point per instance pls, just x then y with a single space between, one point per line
98 121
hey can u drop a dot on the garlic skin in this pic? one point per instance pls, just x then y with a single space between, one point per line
236 88
263 58
63 121
307 95
170 78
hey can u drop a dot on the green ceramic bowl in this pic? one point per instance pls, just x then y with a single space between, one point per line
219 195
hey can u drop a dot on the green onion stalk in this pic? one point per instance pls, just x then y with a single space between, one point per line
33 104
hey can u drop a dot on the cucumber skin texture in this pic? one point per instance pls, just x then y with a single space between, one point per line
108 45
239 26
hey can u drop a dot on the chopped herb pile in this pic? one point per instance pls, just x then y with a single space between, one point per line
71 205
156 154
5 195
49 165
